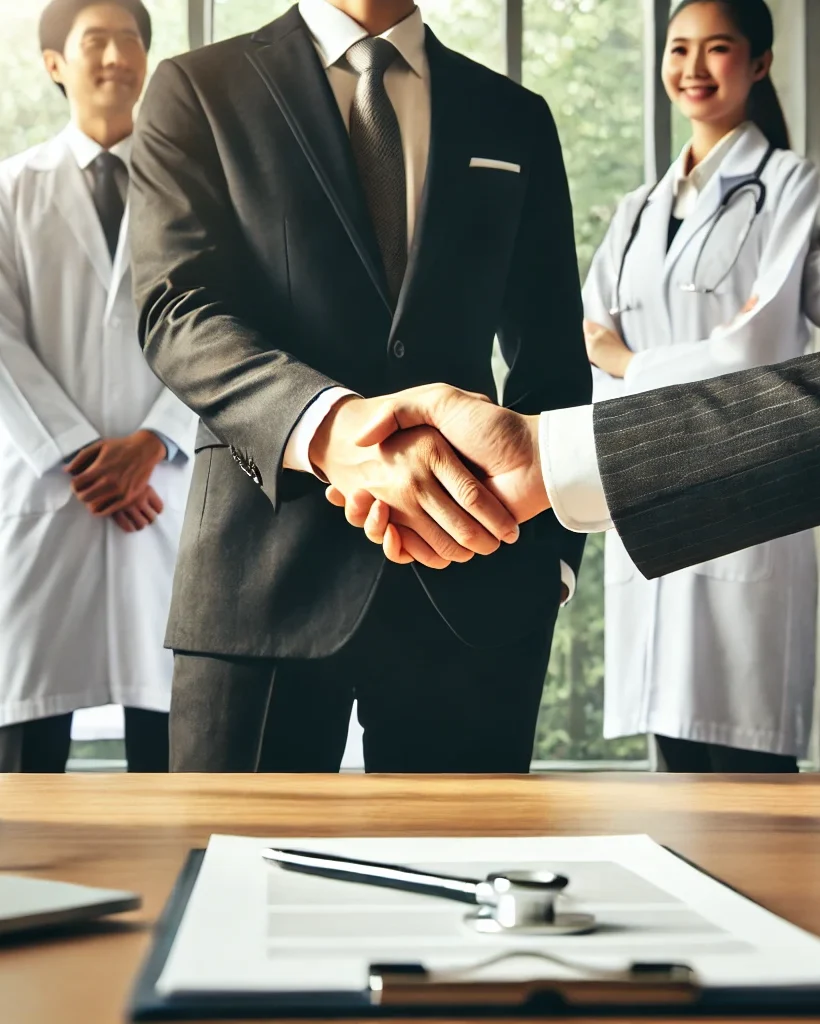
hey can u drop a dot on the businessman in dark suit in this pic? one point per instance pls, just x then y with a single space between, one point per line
336 207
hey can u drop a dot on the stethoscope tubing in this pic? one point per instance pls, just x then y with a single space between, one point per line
754 181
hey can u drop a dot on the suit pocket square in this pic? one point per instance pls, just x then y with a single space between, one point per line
495 165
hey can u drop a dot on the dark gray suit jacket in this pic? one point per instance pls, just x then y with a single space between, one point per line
259 285
696 471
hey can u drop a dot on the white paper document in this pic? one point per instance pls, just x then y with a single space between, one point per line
252 926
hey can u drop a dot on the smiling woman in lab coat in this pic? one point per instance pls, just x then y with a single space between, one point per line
698 277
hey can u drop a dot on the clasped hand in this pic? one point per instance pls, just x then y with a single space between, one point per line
110 477
433 474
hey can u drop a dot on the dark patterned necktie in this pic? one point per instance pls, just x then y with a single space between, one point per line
106 196
377 150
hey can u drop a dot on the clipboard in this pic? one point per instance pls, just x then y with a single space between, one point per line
407 990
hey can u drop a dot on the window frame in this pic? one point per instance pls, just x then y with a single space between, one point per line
657 154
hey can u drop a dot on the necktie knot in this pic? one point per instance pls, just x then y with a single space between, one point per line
371 55
106 163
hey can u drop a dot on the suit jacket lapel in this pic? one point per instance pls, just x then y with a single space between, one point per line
284 56
74 202
447 160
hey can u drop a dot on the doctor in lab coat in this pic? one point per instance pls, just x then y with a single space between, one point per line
94 451
718 660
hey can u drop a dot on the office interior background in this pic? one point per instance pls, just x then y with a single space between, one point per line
597 64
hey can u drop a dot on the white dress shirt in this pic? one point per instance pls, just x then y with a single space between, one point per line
569 460
407 82
688 186
86 151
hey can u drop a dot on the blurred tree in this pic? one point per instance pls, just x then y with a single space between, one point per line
235 17
586 58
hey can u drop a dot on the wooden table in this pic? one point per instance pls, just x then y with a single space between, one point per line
133 832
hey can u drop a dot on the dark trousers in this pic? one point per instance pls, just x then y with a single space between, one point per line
42 745
676 755
426 701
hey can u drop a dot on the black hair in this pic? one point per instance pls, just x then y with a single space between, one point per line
59 16
753 20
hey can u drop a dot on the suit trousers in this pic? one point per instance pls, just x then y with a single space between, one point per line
426 701
676 755
42 745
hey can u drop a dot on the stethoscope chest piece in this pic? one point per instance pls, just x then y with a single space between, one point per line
486 923
523 902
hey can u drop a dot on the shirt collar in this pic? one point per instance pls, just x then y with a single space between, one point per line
334 33
701 175
86 150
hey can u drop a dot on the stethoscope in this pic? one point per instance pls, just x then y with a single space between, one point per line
753 184
505 901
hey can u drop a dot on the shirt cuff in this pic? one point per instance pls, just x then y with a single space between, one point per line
569 463
171 449
297 450
568 579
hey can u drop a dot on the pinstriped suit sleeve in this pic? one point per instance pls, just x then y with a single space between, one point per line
695 471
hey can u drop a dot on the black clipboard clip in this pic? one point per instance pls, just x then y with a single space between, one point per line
644 985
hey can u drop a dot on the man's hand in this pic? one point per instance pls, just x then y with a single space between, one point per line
445 513
110 475
141 513
501 446
606 349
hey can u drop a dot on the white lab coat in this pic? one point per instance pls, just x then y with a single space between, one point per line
83 605
722 652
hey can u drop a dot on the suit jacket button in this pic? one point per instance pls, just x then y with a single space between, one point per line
398 349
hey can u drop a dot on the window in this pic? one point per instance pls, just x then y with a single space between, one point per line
473 27
470 26
31 106
586 58
233 17
169 21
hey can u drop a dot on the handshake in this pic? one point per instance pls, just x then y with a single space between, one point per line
433 474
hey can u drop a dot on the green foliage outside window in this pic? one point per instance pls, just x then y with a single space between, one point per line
586 58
